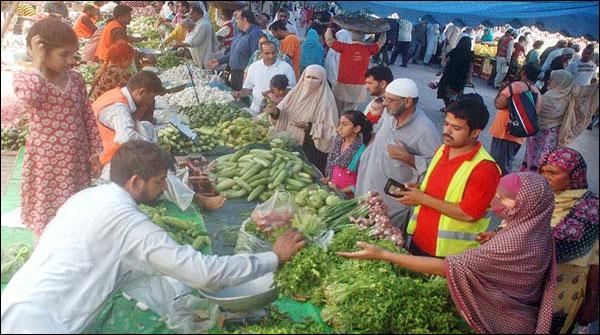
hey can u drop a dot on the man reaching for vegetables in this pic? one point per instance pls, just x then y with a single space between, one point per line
100 242
125 114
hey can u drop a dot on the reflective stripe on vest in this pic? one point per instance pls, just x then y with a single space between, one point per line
454 236
107 134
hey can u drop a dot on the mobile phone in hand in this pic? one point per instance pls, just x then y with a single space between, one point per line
393 188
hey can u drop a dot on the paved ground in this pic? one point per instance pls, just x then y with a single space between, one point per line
586 143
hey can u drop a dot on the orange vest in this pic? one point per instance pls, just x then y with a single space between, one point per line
105 40
81 30
106 134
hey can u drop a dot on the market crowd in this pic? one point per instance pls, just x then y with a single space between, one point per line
540 264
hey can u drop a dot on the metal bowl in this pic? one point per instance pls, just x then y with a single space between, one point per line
245 297
175 86
150 52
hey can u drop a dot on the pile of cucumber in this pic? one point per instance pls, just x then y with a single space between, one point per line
257 173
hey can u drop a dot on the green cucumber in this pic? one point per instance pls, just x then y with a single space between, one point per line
253 170
234 194
236 156
281 177
242 184
225 184
257 192
261 162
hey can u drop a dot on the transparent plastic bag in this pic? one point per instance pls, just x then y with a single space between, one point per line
182 311
276 212
249 243
190 314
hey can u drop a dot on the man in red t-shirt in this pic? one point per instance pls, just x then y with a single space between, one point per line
355 57
458 188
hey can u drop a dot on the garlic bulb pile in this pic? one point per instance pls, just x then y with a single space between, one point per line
206 94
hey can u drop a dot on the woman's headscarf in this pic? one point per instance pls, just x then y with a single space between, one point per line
311 100
557 99
312 50
514 270
579 114
571 161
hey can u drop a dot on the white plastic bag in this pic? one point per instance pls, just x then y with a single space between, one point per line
276 212
173 301
178 191
249 243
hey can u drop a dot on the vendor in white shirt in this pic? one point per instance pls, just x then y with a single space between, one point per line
260 73
100 242
125 114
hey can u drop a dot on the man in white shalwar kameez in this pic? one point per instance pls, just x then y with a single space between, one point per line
100 242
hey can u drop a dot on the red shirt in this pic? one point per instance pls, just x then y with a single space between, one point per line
479 192
354 61
374 119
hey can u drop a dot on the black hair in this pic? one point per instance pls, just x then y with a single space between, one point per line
248 15
538 44
561 44
278 25
379 73
227 13
54 34
147 80
471 108
171 3
122 10
279 81
266 15
358 118
138 158
531 71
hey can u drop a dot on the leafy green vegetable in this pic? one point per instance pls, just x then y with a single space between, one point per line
280 323
304 273
168 60
88 71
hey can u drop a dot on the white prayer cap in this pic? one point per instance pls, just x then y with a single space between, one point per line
568 51
403 87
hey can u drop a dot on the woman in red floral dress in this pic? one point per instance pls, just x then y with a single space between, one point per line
62 150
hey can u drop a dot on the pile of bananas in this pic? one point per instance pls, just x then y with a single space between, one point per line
485 50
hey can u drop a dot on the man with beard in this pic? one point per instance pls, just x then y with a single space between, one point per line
458 188
404 143
377 79
100 242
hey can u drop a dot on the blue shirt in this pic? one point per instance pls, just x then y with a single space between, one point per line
242 48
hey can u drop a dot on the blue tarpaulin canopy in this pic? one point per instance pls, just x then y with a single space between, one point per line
575 18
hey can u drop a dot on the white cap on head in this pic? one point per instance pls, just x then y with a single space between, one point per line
403 87
568 51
